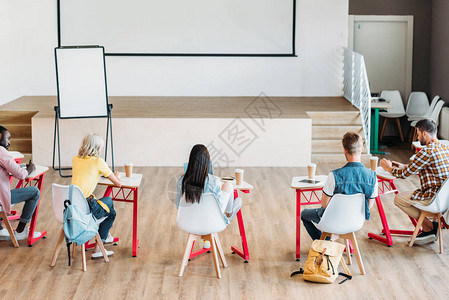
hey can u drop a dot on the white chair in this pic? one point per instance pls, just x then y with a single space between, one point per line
428 112
344 215
434 116
8 227
417 104
395 112
60 194
202 221
439 205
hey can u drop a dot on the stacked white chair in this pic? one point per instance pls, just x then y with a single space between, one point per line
417 104
434 116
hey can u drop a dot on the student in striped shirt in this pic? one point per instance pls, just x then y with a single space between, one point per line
432 165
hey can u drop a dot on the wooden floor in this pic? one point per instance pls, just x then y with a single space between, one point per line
398 272
191 107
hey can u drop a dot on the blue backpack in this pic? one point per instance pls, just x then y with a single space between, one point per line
78 227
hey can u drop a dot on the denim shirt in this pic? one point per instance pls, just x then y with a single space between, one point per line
354 178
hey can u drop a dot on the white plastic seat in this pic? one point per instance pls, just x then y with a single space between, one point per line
202 221
417 104
434 116
427 114
435 209
344 215
60 194
395 112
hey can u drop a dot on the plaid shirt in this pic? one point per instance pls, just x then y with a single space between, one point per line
432 165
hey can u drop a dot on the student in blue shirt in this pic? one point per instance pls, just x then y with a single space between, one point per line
197 181
352 178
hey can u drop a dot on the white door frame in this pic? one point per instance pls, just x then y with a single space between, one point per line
409 54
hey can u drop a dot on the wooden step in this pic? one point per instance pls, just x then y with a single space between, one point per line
334 131
327 146
16 117
19 131
21 145
335 117
336 158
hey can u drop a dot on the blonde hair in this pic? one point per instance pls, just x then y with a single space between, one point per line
91 145
352 142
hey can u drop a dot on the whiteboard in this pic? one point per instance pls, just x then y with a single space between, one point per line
259 27
81 82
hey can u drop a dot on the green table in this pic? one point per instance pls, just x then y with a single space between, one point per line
374 136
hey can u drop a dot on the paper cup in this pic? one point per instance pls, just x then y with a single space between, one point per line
311 169
239 176
128 169
373 162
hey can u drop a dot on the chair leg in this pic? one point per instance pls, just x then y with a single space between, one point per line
398 122
83 254
422 215
411 134
220 251
383 128
357 253
348 252
185 259
211 239
440 237
9 228
57 248
324 235
101 246
73 250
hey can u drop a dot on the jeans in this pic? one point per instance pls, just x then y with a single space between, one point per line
309 217
30 195
106 225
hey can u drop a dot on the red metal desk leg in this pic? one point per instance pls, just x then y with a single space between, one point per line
298 225
387 239
135 240
245 253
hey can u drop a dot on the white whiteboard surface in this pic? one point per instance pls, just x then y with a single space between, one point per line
81 80
179 26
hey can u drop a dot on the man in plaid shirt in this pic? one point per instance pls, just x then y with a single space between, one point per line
432 165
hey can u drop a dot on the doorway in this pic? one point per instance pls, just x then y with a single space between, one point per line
386 42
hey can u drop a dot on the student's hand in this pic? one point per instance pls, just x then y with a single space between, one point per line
117 174
386 165
398 165
30 167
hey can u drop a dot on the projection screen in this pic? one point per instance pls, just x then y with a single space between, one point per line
180 27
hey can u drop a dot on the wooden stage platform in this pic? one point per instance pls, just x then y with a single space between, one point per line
160 131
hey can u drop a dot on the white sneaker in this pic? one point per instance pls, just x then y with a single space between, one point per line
98 254
109 239
4 235
24 234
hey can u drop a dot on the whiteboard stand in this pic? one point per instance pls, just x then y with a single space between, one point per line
56 136
82 91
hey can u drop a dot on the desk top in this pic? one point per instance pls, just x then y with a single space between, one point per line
382 174
16 154
129 182
39 171
381 105
244 186
296 184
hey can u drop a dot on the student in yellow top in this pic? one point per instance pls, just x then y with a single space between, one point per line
88 166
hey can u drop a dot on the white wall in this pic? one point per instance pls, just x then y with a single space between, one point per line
28 35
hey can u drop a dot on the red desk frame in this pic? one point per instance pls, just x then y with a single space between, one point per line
242 253
123 194
309 201
387 186
38 181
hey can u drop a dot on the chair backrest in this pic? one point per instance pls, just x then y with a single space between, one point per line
201 218
440 202
417 104
394 97
343 214
436 112
61 193
432 105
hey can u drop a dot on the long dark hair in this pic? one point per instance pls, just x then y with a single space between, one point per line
196 174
